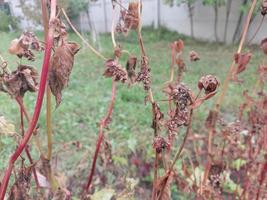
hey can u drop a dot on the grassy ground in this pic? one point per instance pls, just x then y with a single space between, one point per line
86 99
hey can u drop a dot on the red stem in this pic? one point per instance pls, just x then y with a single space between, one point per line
38 106
103 123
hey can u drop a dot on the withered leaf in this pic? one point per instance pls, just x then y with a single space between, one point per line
60 68
199 101
22 47
21 80
131 19
241 60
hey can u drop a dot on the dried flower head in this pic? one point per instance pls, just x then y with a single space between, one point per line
144 74
160 144
264 7
264 45
22 47
23 79
113 69
181 95
209 83
194 56
60 68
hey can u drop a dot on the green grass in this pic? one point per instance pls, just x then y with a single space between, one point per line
86 99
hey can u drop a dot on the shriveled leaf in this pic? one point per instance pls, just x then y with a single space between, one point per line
163 187
241 60
130 67
131 18
6 128
20 81
22 47
60 68
114 69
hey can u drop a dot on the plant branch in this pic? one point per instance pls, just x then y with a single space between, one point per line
103 124
38 106
81 37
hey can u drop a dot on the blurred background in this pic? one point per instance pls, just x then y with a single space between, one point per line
209 20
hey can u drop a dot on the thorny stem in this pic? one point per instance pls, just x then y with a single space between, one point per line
38 105
103 124
81 37
220 99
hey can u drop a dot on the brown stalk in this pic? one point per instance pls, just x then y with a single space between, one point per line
220 99
103 124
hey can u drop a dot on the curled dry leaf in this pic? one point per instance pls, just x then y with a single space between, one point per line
60 68
114 69
163 186
22 47
264 45
194 56
209 83
20 81
130 67
264 7
199 101
241 60
131 17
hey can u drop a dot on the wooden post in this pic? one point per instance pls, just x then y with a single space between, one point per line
157 14
105 15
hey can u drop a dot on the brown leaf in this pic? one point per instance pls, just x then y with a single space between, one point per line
131 19
241 60
264 45
194 56
21 80
22 47
60 68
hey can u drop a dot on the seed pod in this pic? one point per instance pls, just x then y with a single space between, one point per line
113 69
209 83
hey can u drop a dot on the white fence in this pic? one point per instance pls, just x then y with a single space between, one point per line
156 13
